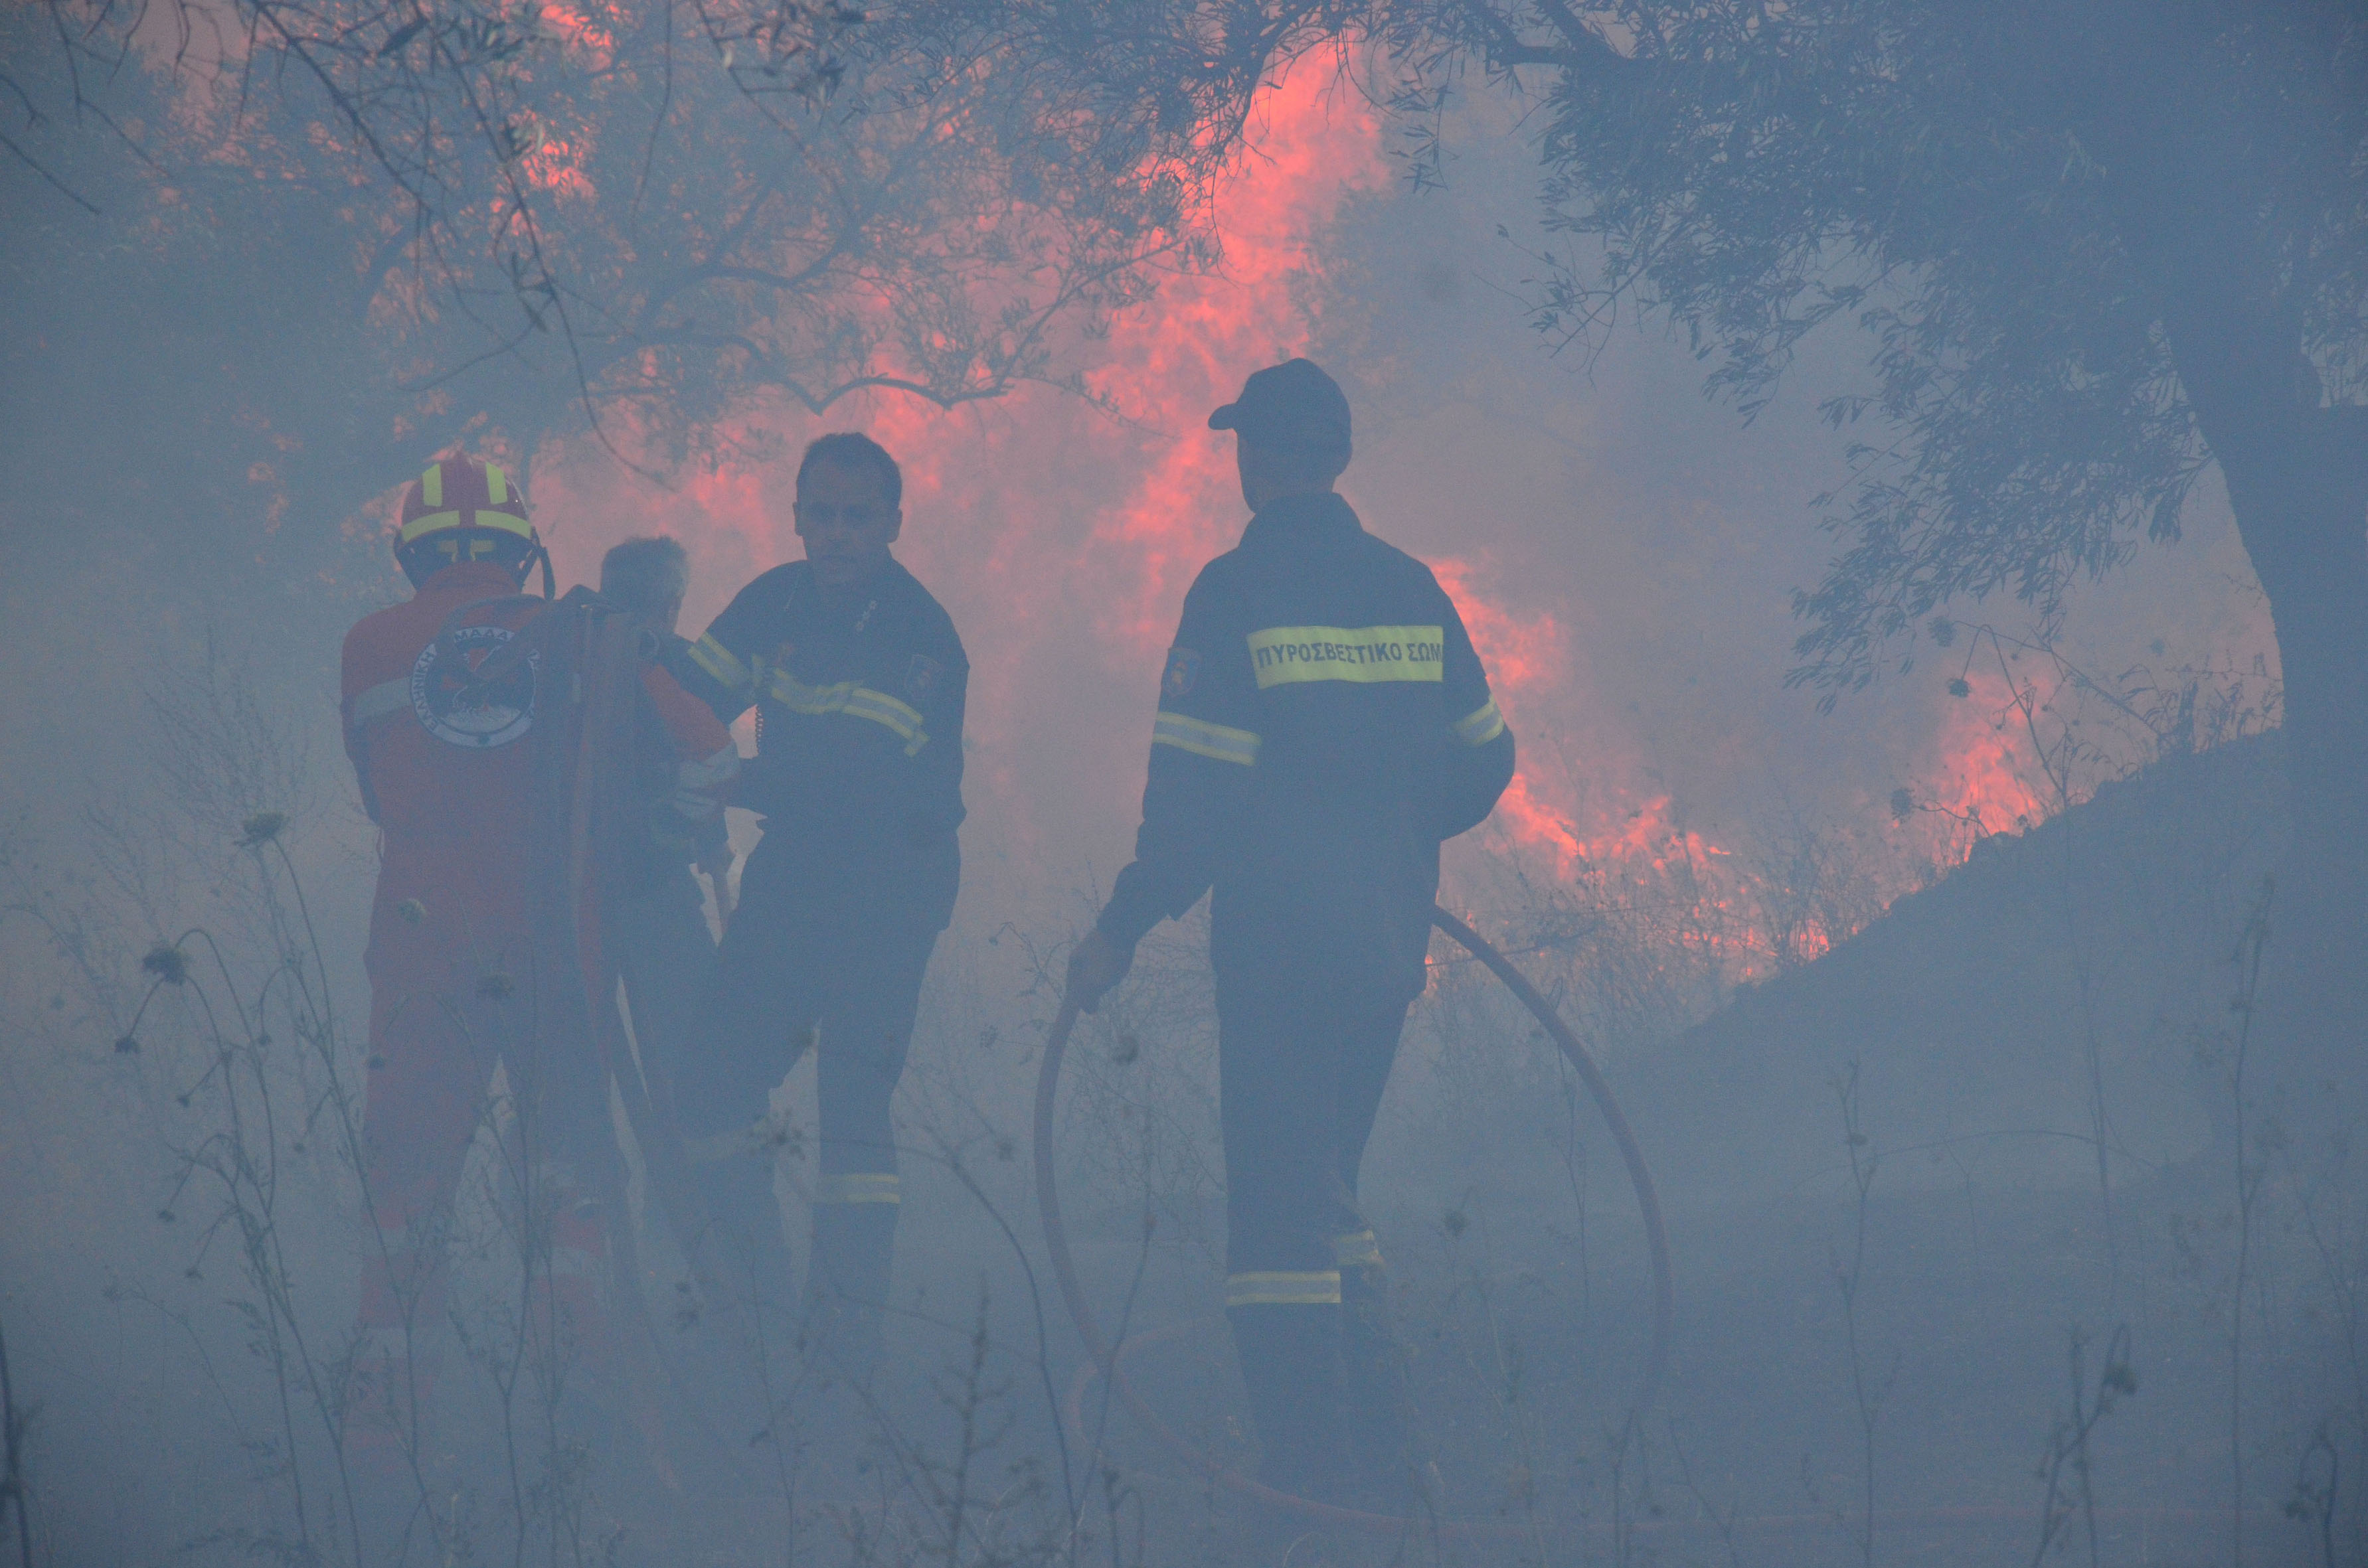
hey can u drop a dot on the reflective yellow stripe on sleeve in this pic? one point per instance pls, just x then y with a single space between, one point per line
721 662
378 701
1356 1249
1203 739
900 719
1317 1288
1481 725
859 1186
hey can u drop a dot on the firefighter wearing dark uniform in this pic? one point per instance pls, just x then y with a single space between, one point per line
858 679
1323 725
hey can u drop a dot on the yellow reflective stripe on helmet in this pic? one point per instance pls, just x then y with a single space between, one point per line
1318 1288
1481 725
1203 739
431 485
721 662
429 524
856 701
498 486
1356 1249
1281 654
859 1186
507 522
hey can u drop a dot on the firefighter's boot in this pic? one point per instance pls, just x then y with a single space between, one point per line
1290 1357
1385 1460
848 1276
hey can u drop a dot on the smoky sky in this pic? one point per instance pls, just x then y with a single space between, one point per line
1624 548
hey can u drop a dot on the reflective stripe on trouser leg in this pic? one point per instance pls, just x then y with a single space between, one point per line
1301 1070
1283 1288
858 1187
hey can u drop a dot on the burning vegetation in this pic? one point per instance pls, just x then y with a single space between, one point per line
1961 900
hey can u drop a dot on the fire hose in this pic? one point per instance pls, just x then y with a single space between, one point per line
1107 1357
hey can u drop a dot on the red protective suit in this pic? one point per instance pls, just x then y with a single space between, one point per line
448 774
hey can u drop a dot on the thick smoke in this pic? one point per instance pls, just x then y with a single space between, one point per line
1878 984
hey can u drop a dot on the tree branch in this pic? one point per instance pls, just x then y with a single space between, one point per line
35 165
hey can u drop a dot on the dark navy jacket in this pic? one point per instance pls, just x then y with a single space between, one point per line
1324 724
859 694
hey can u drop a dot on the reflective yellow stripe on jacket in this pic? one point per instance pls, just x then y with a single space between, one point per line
1203 739
724 665
1481 725
856 701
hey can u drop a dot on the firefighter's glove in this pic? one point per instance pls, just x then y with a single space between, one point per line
1097 964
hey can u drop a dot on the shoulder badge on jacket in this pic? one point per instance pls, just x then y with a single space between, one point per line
921 676
1183 670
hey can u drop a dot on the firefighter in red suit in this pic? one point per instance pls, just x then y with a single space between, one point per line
449 775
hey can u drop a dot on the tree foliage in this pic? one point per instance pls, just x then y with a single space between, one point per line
662 206
2021 203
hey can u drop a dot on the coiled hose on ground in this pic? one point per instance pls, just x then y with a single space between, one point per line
1107 1357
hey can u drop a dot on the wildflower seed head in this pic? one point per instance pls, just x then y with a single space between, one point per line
167 964
127 1046
261 829
412 911
1960 687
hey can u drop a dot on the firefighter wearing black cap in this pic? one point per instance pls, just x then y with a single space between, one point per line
858 679
1324 724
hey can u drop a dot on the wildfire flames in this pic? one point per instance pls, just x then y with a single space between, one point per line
1062 529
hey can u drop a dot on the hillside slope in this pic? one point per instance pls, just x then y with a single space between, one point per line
2064 974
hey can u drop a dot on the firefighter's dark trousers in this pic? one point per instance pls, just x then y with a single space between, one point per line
1301 1075
659 940
799 967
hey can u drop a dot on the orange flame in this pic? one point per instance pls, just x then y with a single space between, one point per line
1062 533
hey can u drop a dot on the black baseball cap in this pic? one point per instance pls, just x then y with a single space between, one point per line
1292 406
